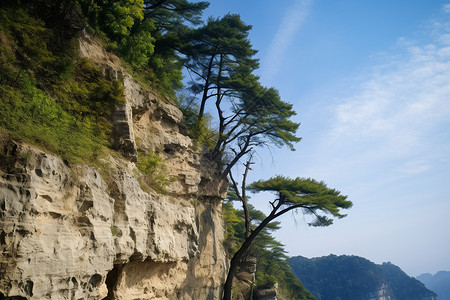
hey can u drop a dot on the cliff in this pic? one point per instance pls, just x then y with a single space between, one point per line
79 232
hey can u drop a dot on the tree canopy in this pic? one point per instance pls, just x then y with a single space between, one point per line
312 196
145 33
115 18
215 52
170 14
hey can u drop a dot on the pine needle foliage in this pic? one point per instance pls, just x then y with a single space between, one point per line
312 196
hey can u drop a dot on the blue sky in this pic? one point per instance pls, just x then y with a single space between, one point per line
370 81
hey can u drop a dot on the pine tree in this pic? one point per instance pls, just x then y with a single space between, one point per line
311 196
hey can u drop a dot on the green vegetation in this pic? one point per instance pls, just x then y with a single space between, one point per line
309 195
138 48
272 266
233 222
220 60
114 17
146 35
53 99
122 24
50 97
116 231
352 277
200 129
157 39
154 170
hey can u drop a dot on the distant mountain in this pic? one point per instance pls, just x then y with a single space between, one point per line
439 283
355 278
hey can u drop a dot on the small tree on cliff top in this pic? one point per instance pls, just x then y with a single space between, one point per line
311 196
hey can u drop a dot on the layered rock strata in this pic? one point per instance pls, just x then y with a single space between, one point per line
79 232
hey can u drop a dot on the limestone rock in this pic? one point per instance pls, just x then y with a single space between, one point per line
77 232
267 294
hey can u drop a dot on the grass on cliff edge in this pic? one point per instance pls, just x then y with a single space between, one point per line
48 96
154 173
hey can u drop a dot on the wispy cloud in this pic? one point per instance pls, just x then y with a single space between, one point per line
447 8
290 25
386 145
402 111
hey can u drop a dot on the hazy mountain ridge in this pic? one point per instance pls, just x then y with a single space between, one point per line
353 278
438 283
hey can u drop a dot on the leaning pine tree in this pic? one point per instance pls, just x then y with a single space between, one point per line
311 196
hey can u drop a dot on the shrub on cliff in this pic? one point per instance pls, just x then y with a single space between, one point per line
49 96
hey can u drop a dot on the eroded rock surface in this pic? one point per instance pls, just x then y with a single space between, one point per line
79 232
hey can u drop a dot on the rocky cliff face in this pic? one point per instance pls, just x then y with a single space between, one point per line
77 232
384 293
